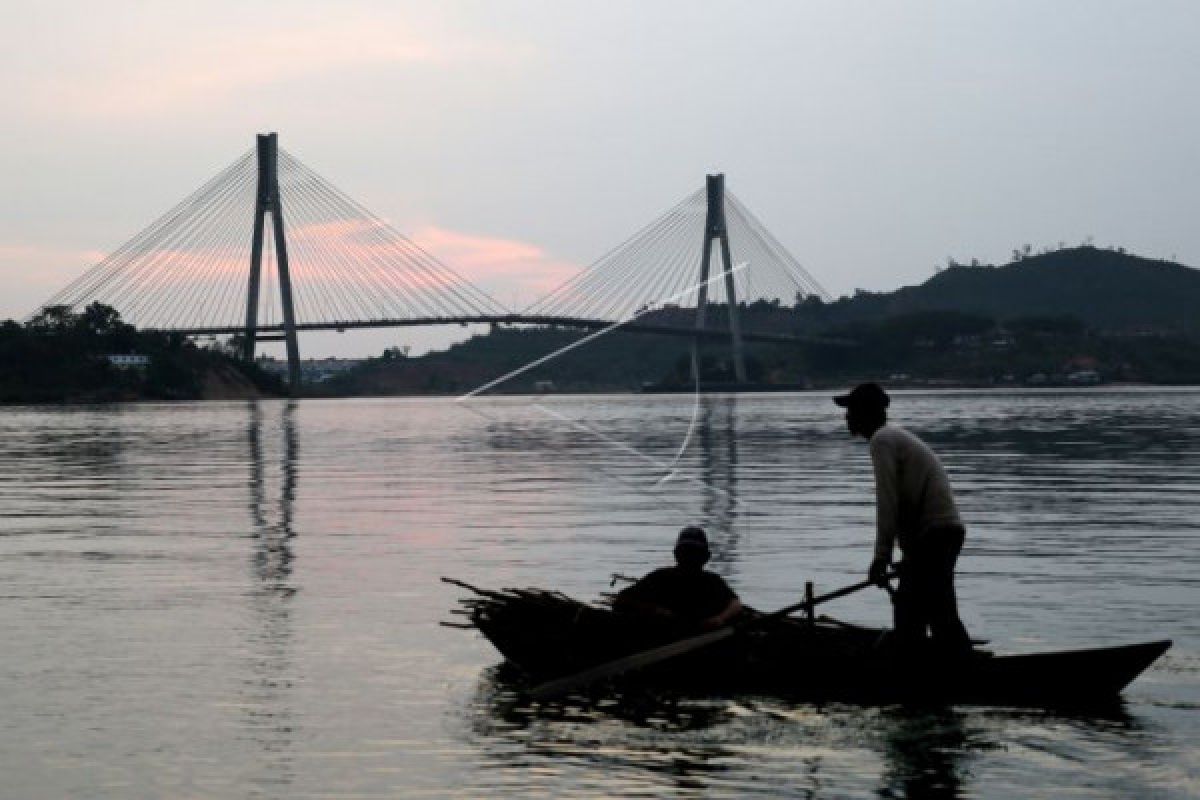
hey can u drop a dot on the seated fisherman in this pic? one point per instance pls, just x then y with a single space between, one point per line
685 594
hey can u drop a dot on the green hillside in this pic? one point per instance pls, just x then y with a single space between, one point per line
1108 290
62 356
1078 315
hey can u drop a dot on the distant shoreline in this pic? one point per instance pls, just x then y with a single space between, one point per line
133 401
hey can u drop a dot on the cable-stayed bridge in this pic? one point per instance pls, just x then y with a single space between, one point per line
268 248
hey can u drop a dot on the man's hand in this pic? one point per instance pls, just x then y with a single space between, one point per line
877 574
727 615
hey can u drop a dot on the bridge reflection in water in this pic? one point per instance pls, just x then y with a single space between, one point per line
266 692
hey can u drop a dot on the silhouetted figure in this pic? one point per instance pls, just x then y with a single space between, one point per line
914 508
685 594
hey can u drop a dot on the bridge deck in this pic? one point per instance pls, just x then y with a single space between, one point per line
513 319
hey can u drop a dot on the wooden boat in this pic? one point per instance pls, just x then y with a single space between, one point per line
548 635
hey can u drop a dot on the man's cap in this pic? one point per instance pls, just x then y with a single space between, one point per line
865 395
692 537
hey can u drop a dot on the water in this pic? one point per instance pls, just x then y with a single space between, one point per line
241 600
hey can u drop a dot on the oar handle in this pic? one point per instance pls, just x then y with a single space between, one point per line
808 604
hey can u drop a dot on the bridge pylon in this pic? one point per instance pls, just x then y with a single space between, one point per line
715 231
267 201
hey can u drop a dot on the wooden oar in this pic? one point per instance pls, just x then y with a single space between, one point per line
646 658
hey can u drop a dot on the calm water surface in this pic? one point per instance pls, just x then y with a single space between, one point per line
242 600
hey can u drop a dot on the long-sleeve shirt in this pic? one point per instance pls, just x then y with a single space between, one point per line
912 492
691 594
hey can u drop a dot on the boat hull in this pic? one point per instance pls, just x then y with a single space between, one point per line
548 635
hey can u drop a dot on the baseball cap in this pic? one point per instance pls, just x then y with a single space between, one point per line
692 537
865 395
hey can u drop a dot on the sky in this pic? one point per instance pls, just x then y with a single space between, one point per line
519 141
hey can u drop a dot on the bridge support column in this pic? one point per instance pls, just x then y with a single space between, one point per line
715 231
268 202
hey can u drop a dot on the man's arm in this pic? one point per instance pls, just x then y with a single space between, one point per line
640 599
887 504
636 605
719 620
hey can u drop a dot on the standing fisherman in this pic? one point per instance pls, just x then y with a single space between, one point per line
915 508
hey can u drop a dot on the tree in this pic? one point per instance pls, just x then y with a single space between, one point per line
395 353
101 320
810 301
52 319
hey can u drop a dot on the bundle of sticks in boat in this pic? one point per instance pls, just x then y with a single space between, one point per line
497 607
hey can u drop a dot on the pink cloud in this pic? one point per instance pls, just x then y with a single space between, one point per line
359 233
500 266
33 272
202 67
370 253
504 268
45 263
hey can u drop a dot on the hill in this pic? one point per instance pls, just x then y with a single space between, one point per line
1108 290
1077 315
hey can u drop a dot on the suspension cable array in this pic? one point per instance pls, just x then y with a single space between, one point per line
188 270
269 247
661 262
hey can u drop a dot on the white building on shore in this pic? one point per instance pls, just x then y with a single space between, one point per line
128 360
